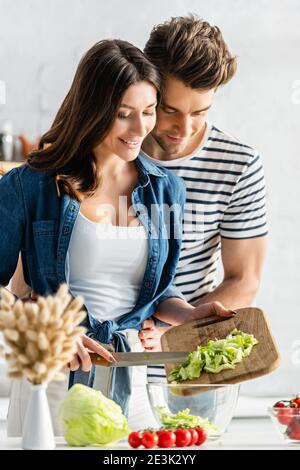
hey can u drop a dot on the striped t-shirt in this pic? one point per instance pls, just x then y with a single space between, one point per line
225 198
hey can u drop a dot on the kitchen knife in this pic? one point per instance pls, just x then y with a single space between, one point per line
129 359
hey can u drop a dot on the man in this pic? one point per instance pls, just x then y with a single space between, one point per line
225 205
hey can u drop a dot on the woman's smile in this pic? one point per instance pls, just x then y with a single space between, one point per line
131 143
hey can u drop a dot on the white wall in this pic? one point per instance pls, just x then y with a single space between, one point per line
41 42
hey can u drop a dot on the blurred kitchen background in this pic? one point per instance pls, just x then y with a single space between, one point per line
41 42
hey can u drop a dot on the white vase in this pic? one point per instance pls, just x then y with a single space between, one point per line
37 430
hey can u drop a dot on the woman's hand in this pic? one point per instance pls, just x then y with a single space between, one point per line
82 358
18 285
150 335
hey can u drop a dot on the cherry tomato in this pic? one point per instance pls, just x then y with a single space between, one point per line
202 436
279 404
166 438
194 436
183 437
135 439
296 401
149 439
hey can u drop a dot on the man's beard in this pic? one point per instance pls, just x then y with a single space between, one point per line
168 149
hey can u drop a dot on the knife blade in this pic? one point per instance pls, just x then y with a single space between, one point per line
130 359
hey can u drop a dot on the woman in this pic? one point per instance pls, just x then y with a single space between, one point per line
88 210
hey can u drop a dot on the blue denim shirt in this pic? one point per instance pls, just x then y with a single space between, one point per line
36 221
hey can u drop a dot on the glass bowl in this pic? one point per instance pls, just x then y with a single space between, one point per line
287 423
215 403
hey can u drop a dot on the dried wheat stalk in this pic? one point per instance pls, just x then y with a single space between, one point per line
41 335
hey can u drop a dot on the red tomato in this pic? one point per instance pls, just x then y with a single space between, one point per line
293 431
202 436
149 439
166 438
183 437
285 415
194 436
135 439
296 401
279 404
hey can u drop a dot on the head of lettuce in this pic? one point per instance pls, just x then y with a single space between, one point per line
89 418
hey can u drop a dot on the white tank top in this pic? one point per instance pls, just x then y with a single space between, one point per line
107 265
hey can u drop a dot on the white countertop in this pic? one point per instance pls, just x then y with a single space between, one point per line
243 433
250 429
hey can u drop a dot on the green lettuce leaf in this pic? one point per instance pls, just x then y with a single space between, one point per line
89 418
183 419
217 355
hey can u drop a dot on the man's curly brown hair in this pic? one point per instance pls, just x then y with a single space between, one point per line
192 51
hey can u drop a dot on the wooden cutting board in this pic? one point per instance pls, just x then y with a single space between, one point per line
263 359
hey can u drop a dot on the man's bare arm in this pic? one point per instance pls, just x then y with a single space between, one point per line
243 262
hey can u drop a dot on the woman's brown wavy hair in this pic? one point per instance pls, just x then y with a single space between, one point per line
88 113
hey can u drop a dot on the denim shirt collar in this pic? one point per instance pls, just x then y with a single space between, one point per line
146 167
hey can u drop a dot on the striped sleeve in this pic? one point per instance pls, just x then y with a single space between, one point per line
245 215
